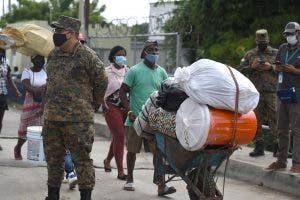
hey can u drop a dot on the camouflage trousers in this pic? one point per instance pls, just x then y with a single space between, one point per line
78 137
266 114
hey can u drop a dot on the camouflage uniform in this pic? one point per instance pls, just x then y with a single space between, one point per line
265 82
76 82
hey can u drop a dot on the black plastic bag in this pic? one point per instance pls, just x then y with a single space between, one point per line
170 95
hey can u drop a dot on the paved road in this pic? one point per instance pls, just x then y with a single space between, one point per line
20 180
29 184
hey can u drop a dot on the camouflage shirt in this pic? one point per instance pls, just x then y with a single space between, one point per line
76 80
264 80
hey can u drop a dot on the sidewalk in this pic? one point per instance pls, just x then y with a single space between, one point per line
241 166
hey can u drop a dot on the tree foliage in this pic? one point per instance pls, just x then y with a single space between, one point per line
49 11
224 30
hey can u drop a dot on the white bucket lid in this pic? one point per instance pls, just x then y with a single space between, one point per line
34 129
192 124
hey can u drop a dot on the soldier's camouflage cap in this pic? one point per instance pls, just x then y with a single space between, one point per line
291 27
67 22
261 35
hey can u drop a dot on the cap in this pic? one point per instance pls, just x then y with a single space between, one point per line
146 45
261 35
291 27
149 43
67 22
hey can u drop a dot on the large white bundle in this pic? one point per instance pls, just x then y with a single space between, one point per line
210 82
37 39
192 124
29 40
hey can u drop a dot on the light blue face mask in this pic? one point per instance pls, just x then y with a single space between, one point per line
120 60
153 58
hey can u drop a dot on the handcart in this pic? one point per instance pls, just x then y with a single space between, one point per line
196 168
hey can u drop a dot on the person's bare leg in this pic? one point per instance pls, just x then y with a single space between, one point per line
130 159
18 149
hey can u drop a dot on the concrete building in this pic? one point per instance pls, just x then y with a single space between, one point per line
159 14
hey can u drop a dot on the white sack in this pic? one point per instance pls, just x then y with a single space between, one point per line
210 82
37 39
192 124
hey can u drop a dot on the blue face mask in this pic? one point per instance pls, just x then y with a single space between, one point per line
152 58
120 60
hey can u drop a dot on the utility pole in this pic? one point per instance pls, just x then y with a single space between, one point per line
9 5
86 19
81 14
3 7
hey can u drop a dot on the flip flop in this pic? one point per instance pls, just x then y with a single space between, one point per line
129 186
167 190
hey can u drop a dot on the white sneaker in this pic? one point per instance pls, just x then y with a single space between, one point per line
65 179
72 179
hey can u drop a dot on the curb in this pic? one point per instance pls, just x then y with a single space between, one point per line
278 180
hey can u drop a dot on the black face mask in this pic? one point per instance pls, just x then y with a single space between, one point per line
262 46
38 62
59 39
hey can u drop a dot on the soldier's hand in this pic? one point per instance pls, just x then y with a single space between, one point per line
266 66
255 64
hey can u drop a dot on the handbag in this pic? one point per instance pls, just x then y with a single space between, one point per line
287 95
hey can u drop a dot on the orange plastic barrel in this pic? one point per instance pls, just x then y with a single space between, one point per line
221 127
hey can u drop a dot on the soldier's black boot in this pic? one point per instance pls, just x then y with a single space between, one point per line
53 193
85 194
259 150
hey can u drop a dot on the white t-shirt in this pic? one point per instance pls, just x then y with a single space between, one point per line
37 79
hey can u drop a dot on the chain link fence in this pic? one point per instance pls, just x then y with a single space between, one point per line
169 52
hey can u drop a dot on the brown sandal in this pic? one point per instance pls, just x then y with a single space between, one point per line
107 168
122 177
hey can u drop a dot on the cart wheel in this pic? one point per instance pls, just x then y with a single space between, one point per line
206 184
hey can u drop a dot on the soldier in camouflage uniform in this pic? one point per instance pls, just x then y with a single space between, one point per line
258 66
75 87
